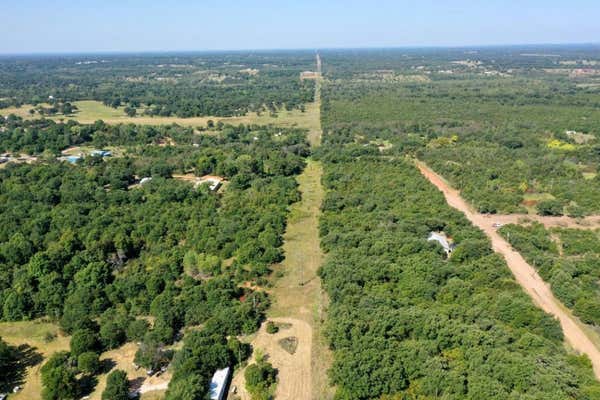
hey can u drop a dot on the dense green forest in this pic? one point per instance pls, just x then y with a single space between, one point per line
568 259
404 321
183 85
114 261
505 128
114 258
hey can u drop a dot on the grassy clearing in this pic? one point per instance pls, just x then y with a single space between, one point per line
91 111
298 293
34 334
155 395
121 358
313 123
297 289
299 302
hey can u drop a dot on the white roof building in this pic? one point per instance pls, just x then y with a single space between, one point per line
441 238
218 384
214 182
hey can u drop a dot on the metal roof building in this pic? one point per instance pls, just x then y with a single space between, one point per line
218 384
441 238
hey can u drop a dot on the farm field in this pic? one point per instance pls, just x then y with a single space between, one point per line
91 111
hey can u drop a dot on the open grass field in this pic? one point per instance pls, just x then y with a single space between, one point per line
34 335
121 358
313 122
155 395
91 111
299 301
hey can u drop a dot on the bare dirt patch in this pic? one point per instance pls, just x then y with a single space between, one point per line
294 369
592 222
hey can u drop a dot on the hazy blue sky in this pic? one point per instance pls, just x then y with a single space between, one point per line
126 25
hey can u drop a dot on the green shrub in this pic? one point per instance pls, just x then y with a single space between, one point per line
272 328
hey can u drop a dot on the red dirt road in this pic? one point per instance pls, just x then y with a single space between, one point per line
524 273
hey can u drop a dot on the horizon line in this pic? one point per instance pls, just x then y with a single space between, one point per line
282 49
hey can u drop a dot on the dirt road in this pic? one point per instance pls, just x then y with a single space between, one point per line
524 273
319 65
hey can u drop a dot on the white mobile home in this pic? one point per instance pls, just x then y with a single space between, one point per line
218 384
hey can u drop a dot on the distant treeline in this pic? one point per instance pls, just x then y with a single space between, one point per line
171 85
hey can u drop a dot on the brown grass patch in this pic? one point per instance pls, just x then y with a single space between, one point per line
289 344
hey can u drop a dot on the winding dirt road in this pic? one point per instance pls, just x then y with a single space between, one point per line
524 273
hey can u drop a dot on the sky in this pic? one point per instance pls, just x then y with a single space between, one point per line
67 26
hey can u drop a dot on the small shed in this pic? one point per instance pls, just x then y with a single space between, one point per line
100 153
214 182
219 383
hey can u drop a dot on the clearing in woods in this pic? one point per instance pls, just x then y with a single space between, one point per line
40 341
90 111
576 335
298 300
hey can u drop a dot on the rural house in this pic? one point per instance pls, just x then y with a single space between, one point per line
443 240
218 384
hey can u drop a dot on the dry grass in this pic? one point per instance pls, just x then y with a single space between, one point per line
155 395
33 333
298 300
121 358
295 292
294 370
314 118
289 344
91 111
